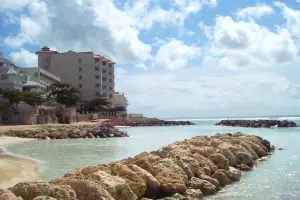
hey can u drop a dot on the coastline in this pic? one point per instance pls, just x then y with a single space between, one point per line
14 169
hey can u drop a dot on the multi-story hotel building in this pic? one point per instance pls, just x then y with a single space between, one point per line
92 75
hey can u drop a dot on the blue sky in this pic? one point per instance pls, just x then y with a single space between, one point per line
175 58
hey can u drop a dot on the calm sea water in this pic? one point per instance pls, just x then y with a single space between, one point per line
276 178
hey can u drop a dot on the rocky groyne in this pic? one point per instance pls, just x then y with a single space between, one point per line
257 123
190 169
58 131
118 122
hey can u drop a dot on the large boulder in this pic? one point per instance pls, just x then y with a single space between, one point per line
193 194
44 198
85 189
244 158
229 155
211 180
206 164
221 178
8 195
206 187
151 183
137 184
115 185
30 190
220 161
171 182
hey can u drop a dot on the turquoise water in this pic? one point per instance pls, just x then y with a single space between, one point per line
276 178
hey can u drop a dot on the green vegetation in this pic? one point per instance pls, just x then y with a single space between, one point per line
64 94
98 104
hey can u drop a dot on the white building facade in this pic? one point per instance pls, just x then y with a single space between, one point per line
92 75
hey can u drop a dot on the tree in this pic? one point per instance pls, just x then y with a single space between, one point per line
14 97
33 98
64 94
98 104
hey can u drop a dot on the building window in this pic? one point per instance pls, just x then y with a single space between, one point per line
97 77
97 85
96 68
79 60
110 88
110 96
110 80
80 69
80 85
103 71
109 73
97 60
80 77
104 87
104 79
97 94
110 65
103 63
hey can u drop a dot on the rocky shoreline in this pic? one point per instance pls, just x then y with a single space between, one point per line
59 131
258 123
148 123
188 170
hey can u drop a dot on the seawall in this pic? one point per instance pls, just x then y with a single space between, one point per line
190 169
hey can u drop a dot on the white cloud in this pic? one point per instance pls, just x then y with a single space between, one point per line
190 33
82 26
175 54
292 17
255 12
13 4
207 91
141 66
24 58
244 43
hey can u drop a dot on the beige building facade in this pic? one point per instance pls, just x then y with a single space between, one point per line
92 75
120 100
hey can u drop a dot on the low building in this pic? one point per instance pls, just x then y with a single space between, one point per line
120 100
10 76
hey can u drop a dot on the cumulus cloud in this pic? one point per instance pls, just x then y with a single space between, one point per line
13 4
175 54
141 66
24 58
241 43
184 93
255 11
292 18
82 25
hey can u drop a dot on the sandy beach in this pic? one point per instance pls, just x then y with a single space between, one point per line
15 169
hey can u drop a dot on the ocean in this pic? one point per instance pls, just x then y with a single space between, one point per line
276 178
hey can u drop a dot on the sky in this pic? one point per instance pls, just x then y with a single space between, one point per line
175 58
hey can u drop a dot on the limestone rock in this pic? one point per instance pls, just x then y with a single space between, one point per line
244 158
233 174
116 186
211 180
244 167
220 161
151 183
193 194
171 182
8 195
30 190
229 155
205 164
85 189
44 198
222 178
137 184
206 187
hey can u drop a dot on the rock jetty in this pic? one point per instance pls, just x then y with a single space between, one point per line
257 123
186 170
119 122
58 131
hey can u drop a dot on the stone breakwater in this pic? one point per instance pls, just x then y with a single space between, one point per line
186 170
148 123
67 132
257 123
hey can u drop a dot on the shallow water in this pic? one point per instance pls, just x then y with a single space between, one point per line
276 178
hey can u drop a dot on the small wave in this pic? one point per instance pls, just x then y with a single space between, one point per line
5 151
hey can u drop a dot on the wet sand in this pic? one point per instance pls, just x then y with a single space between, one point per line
16 169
